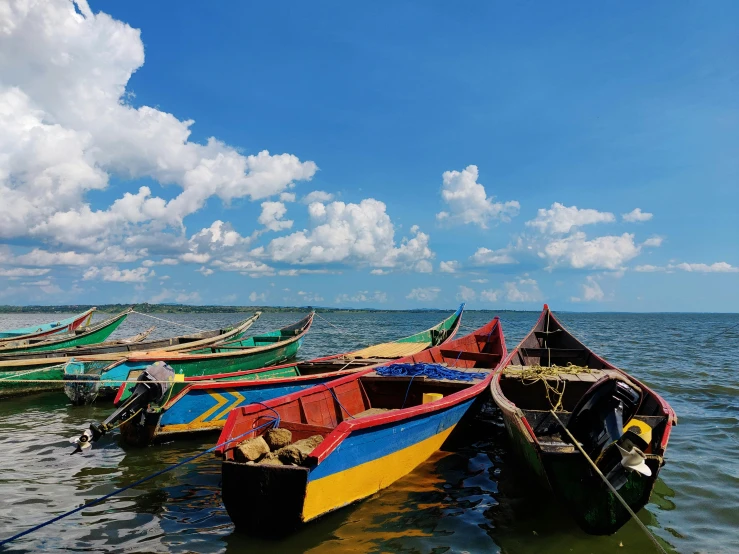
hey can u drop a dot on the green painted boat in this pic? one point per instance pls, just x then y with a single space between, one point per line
88 379
24 372
552 380
46 329
195 405
81 336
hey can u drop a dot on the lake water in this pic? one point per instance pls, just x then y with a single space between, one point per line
464 500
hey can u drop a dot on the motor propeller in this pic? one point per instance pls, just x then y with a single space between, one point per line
151 386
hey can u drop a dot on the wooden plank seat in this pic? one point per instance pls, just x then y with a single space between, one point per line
570 353
590 376
492 359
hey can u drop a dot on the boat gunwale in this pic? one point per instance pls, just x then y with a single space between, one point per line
512 411
64 338
199 383
345 427
213 355
78 318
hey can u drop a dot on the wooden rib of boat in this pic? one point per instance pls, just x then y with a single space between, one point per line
374 430
550 361
48 367
46 329
81 336
198 406
88 379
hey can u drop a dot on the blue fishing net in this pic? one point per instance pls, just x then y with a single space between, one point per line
432 371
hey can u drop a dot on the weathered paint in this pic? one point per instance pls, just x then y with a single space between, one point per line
97 333
45 329
371 459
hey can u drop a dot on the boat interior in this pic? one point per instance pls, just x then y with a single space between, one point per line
319 412
320 409
551 366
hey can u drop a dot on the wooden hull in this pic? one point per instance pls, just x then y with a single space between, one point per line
561 468
223 358
47 329
96 333
375 428
115 349
197 407
41 366
368 461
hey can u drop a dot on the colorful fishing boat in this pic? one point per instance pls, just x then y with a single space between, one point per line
22 373
195 405
85 379
45 329
90 334
552 380
350 437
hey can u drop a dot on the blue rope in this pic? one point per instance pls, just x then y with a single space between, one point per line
432 371
277 414
127 487
337 399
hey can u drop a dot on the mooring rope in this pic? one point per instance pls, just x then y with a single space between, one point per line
168 321
29 371
611 487
128 487
362 340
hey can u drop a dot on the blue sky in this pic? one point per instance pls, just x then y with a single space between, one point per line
493 153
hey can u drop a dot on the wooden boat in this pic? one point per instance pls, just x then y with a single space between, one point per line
87 335
44 371
85 380
195 405
605 409
45 329
374 429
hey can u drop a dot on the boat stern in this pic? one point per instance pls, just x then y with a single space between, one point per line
264 499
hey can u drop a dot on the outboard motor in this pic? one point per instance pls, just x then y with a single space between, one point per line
597 422
151 386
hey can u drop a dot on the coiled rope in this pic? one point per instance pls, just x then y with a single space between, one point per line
532 374
132 485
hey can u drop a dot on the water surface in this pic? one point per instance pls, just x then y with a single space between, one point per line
466 499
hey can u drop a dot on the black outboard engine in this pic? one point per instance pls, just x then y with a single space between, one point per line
598 418
597 422
151 386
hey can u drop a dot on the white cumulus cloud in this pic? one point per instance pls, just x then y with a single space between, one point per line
637 215
591 291
561 219
466 294
317 196
68 124
449 267
363 296
608 252
272 214
718 267
485 256
468 202
351 233
522 290
424 294
113 274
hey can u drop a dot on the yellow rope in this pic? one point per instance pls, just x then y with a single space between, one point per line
137 412
532 374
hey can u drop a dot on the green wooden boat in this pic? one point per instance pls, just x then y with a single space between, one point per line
24 372
551 380
46 329
88 335
194 405
85 380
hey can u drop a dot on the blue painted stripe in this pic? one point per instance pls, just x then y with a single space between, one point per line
198 401
372 443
